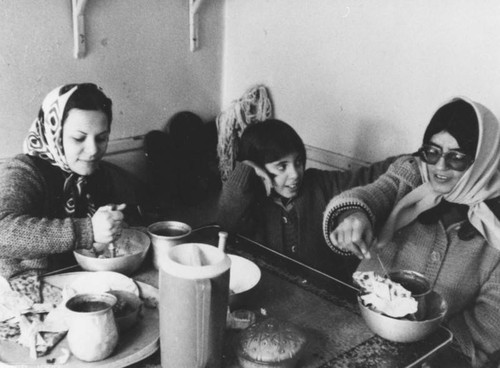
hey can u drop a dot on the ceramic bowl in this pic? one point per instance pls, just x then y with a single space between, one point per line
244 275
126 310
405 330
132 247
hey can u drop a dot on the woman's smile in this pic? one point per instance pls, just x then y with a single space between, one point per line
442 177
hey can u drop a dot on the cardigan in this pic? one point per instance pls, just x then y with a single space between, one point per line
294 228
34 229
465 272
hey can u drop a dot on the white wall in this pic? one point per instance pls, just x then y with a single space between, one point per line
138 51
363 77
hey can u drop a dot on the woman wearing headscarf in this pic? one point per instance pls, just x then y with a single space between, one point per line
437 213
59 195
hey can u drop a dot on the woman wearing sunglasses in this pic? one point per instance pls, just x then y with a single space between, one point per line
437 212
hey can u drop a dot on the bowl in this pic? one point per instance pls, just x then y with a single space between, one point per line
402 329
126 310
133 246
244 275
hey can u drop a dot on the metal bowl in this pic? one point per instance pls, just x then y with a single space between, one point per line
134 243
405 330
244 275
164 235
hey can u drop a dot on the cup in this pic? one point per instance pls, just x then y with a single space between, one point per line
194 290
419 287
164 235
92 332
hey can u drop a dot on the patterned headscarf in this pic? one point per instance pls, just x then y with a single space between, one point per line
480 182
45 140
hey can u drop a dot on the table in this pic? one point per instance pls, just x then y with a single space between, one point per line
323 307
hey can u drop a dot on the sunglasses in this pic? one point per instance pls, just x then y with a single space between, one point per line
454 159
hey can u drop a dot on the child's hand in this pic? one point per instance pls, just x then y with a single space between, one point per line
261 173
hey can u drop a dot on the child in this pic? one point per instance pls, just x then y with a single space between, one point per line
271 197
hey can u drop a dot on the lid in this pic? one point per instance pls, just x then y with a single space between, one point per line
195 261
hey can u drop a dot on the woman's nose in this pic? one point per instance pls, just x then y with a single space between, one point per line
91 147
441 164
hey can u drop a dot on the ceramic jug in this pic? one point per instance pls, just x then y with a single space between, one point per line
194 289
92 333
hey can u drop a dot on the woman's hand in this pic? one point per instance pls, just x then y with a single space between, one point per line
354 233
261 173
107 223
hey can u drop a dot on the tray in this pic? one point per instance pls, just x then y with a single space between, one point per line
139 342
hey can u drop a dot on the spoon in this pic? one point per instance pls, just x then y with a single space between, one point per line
386 274
112 250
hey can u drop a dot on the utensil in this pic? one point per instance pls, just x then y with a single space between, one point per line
112 250
386 273
111 247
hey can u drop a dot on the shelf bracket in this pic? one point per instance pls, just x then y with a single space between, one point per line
79 37
194 7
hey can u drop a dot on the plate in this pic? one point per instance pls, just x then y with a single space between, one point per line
139 342
98 282
243 274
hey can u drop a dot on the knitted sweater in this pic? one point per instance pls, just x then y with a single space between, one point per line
293 229
465 272
34 228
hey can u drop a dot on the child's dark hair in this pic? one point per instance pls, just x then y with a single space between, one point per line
87 96
269 141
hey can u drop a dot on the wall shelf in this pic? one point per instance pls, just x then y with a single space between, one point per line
79 37
194 7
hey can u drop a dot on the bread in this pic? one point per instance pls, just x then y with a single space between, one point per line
270 343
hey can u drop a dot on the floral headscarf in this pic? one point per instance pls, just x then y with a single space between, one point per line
480 182
45 140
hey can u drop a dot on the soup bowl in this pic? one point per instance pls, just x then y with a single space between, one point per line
131 250
404 329
431 310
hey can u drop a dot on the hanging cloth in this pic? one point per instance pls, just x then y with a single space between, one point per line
254 106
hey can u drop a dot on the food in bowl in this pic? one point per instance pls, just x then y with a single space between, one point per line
396 313
270 343
384 295
403 329
126 309
130 251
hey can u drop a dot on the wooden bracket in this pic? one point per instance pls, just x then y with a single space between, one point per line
79 37
194 7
